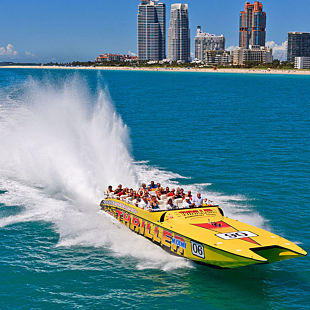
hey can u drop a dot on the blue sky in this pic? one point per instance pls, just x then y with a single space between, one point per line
67 30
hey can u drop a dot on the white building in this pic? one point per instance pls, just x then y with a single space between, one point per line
179 34
253 54
302 62
207 42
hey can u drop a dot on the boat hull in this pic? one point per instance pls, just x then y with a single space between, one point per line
159 228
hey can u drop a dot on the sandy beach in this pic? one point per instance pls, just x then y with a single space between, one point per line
160 69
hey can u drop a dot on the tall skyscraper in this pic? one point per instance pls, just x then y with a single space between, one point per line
298 45
252 25
207 42
179 34
151 30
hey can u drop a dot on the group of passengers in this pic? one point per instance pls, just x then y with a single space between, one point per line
151 196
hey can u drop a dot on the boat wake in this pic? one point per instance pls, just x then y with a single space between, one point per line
61 146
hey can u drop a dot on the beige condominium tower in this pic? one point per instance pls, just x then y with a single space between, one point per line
179 34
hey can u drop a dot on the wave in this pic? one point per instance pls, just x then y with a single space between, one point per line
61 146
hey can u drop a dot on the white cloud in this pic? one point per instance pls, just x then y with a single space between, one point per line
131 53
231 48
279 50
29 54
8 51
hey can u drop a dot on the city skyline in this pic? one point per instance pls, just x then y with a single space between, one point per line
54 31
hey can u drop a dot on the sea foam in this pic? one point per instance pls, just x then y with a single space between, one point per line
61 146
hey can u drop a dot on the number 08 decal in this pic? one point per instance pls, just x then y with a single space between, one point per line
197 249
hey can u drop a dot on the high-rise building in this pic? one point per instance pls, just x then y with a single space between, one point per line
179 34
207 42
298 45
151 30
252 25
302 62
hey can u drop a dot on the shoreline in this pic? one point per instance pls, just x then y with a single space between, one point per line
159 69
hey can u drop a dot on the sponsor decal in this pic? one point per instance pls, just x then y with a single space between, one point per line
179 242
237 235
198 212
197 249
178 245
224 230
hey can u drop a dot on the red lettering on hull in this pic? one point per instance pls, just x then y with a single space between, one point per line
119 213
126 219
156 237
166 240
135 224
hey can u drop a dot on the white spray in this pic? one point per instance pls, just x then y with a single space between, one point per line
60 148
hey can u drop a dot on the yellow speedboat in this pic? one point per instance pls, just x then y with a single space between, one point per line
204 235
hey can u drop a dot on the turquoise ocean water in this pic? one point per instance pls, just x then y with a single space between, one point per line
242 140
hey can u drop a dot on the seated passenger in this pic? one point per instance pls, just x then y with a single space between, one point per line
167 191
118 190
158 195
110 190
170 205
143 204
146 194
171 194
121 193
158 185
187 204
178 195
189 194
124 191
207 202
153 186
143 187
153 204
198 200
136 201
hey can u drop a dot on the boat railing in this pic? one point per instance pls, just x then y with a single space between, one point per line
178 202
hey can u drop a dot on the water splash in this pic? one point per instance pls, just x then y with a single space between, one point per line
60 148
65 140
